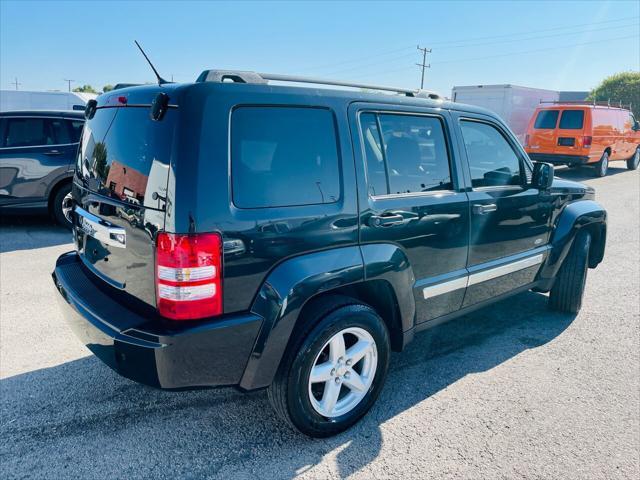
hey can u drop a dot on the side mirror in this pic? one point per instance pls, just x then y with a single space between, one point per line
636 126
542 176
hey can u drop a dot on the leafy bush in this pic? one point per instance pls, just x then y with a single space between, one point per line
623 87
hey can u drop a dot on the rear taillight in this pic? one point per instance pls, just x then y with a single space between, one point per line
526 140
586 141
189 275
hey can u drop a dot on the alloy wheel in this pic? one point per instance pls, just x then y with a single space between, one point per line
67 206
343 372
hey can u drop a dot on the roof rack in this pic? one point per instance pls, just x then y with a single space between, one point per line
263 78
607 104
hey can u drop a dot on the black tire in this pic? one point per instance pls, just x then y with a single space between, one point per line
289 393
568 289
602 167
57 205
633 162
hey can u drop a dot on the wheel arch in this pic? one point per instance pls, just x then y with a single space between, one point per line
56 186
580 215
298 283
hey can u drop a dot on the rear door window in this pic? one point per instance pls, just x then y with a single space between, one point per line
405 153
492 160
546 119
284 156
572 120
34 132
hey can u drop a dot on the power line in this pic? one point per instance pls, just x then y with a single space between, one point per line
537 37
16 83
405 56
69 82
457 44
510 54
566 27
423 64
557 47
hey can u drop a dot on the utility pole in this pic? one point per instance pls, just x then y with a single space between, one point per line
16 83
424 63
69 82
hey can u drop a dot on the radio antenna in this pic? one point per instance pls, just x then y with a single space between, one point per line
161 81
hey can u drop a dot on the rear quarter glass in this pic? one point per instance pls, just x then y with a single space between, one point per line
284 156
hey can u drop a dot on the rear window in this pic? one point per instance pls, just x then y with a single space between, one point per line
546 119
283 156
126 156
572 120
34 132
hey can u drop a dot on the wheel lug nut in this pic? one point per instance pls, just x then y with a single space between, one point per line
349 363
346 375
333 372
338 380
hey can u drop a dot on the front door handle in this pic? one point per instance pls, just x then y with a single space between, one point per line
53 152
386 220
484 209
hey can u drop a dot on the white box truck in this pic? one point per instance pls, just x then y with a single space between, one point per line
11 100
513 103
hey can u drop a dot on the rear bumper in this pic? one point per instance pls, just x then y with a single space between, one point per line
559 159
147 349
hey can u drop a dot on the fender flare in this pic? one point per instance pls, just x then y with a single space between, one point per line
291 284
573 218
65 176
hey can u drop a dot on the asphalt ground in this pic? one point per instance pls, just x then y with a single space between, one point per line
510 391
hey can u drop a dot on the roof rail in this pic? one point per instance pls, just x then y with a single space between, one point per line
262 78
587 102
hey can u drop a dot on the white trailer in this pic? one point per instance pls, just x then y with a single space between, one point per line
11 100
514 104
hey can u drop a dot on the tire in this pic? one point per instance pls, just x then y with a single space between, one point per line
299 401
602 167
633 162
59 203
568 289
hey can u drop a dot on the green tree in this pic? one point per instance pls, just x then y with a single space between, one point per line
107 88
85 89
623 87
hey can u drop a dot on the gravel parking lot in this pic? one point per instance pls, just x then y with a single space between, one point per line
510 391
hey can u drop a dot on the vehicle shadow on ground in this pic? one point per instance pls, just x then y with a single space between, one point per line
26 232
580 174
92 423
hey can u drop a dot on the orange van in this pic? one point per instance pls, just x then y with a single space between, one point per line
583 133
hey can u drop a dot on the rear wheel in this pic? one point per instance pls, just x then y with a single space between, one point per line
61 206
633 162
332 376
568 289
602 167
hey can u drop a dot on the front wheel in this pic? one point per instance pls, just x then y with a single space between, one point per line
602 167
633 162
568 289
332 376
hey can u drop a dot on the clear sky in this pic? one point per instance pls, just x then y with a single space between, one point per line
545 44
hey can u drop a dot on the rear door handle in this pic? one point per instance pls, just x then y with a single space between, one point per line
53 152
484 209
386 220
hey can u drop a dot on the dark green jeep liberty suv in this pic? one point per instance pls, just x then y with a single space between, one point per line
237 231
